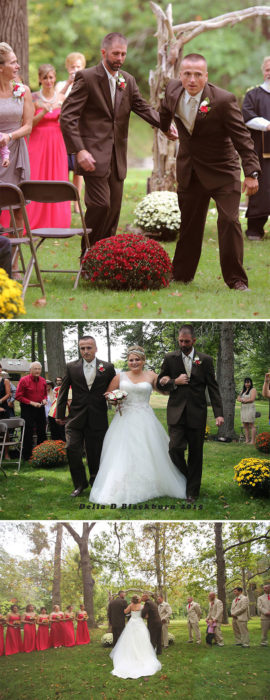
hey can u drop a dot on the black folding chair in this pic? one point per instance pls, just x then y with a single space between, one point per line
50 192
10 196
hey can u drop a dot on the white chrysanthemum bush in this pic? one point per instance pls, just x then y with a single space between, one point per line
158 214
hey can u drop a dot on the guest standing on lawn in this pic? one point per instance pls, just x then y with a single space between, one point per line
43 633
32 395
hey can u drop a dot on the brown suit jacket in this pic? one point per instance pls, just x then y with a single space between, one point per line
192 395
150 610
116 613
88 120
210 150
86 406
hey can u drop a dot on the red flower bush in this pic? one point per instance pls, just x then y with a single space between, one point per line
127 261
51 453
263 442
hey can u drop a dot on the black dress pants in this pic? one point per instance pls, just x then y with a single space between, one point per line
34 418
103 198
77 439
182 437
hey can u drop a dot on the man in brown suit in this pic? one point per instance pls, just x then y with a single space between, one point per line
263 606
186 374
150 611
94 122
116 615
211 129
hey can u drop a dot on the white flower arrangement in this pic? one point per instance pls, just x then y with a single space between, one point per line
171 638
107 640
158 212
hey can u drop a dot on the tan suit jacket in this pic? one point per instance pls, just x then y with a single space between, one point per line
239 608
216 610
88 120
263 606
218 136
193 612
165 611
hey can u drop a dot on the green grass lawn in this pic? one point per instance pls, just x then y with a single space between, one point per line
206 297
188 671
45 493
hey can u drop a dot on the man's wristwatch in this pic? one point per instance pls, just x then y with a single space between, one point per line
254 175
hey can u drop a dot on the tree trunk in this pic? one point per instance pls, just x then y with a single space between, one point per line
56 594
157 556
33 343
40 346
221 569
14 31
88 581
55 349
225 377
108 340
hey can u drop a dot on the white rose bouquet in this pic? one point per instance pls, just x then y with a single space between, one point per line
115 398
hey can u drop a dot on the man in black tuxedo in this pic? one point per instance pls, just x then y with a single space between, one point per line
87 422
116 615
186 374
150 611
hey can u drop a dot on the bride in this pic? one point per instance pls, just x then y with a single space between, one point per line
133 655
135 465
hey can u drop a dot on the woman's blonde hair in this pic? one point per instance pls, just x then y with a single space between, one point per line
44 69
4 50
136 350
75 56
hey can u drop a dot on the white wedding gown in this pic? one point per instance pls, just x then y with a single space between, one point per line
135 464
133 655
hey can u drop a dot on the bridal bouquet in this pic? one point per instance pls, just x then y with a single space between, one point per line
116 397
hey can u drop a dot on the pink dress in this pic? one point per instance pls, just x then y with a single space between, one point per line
57 631
29 637
48 161
13 638
69 633
2 645
43 635
82 635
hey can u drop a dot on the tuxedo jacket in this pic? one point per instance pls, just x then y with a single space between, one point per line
193 612
216 610
217 138
150 610
116 613
239 608
88 120
263 606
190 396
87 406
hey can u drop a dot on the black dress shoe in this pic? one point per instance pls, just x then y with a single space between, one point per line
78 491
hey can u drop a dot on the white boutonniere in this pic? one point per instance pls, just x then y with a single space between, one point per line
204 107
120 82
18 90
196 361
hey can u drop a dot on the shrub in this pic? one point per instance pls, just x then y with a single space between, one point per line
127 261
51 453
263 442
158 213
11 303
254 475
107 640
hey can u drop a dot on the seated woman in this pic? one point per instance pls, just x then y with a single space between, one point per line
29 624
43 633
247 398
13 638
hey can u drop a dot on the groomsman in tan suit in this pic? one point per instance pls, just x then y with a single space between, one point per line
239 613
193 614
263 607
165 612
215 614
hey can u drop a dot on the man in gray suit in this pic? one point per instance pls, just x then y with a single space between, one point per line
87 422
186 374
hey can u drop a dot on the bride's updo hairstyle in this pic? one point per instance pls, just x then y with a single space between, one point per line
136 350
135 599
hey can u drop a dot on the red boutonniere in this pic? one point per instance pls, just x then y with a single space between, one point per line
204 107
101 368
197 361
18 90
120 82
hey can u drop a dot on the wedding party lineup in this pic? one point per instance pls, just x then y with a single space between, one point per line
134 350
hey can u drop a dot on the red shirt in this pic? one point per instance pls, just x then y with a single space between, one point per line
31 389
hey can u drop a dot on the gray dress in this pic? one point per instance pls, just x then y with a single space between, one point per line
248 410
11 111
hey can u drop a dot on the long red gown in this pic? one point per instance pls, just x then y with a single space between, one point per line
29 637
82 634
2 645
48 161
69 633
57 636
43 635
13 638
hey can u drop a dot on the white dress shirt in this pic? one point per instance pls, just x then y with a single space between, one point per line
260 123
187 360
89 370
187 109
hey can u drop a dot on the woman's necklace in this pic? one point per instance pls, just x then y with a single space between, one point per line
45 99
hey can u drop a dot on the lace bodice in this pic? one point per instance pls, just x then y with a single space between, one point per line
138 394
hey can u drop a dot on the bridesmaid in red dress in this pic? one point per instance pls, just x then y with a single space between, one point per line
57 627
47 151
82 634
13 638
69 627
29 624
43 634
2 625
